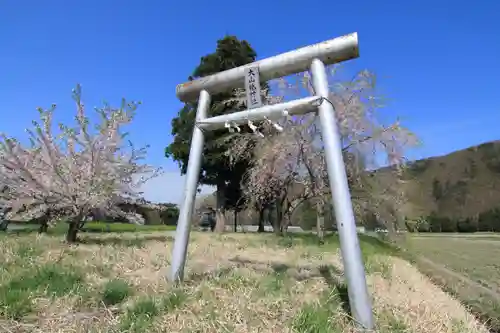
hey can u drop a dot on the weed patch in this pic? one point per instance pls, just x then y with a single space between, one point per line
139 316
51 280
115 291
48 280
388 323
275 283
14 304
324 316
173 300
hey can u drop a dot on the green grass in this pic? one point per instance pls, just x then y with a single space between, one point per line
93 227
331 313
15 303
370 245
50 280
324 316
275 283
328 315
139 317
173 300
115 291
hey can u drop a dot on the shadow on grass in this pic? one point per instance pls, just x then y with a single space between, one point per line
197 277
20 231
332 276
127 242
334 282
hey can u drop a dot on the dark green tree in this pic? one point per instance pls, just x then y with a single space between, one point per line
169 213
467 225
489 220
216 168
448 224
434 222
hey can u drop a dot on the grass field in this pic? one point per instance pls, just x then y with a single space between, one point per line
234 283
467 265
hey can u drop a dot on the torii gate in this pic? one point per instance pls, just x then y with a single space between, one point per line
313 57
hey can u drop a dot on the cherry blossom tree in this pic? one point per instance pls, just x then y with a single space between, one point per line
290 167
76 172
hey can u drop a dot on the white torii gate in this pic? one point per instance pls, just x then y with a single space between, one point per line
313 57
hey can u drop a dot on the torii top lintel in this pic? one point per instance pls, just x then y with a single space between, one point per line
331 51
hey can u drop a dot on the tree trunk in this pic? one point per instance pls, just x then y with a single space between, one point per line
320 221
235 221
72 231
261 220
43 228
279 220
220 212
285 223
44 221
212 222
3 225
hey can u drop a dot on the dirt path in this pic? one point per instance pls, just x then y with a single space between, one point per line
460 277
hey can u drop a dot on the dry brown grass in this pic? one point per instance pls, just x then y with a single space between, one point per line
234 283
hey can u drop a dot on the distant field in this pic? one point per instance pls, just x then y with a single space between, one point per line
98 227
467 265
476 235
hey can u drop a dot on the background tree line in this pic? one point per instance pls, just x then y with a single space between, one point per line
488 221
153 214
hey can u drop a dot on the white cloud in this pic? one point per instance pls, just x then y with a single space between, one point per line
169 187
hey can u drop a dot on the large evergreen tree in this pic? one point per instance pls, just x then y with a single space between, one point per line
216 168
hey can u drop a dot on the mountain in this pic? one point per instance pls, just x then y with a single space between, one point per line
459 185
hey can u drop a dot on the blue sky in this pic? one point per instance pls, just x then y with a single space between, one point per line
438 62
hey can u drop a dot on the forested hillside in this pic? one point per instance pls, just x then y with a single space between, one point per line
461 186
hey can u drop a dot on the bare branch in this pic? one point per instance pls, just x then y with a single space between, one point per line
292 163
